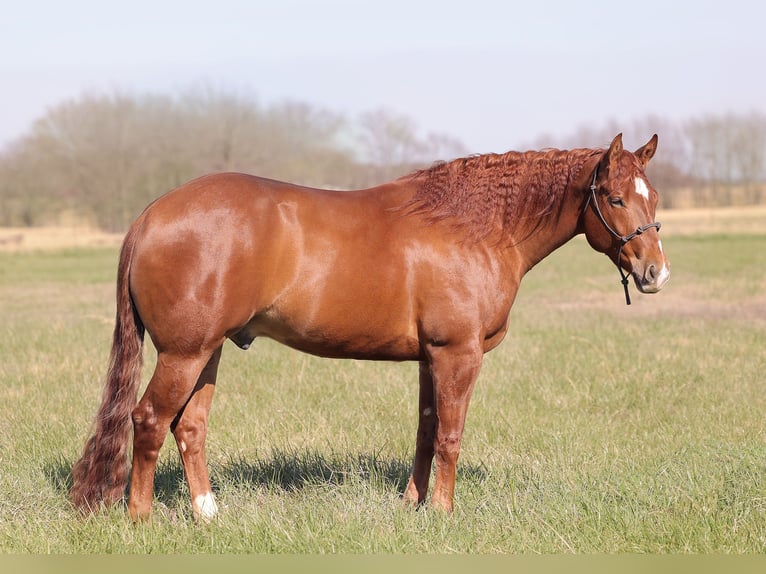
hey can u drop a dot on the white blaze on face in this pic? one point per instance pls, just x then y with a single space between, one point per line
641 188
664 274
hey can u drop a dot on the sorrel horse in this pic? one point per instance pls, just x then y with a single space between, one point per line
424 268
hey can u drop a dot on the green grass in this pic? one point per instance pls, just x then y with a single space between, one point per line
595 427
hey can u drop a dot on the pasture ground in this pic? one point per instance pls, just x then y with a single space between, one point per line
594 428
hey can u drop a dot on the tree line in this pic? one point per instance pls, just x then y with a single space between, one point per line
102 158
710 161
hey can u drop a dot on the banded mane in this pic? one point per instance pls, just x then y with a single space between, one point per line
493 193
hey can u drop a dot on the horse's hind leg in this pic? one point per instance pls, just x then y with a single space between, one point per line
417 488
169 389
190 429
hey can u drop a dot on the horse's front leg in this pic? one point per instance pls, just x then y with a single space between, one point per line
417 488
454 370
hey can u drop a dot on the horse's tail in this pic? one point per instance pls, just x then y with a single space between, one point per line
101 474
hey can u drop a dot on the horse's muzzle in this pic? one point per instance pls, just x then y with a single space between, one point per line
653 277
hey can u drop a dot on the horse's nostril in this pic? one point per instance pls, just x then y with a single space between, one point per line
651 273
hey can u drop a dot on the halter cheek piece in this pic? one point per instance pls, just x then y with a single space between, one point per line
623 238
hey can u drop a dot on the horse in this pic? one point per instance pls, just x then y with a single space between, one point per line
423 268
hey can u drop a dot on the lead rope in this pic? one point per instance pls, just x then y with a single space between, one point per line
623 238
624 276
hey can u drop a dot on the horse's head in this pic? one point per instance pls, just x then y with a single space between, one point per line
618 219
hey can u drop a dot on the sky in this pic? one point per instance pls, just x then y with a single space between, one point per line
491 73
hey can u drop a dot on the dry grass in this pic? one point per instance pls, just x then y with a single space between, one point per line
26 239
713 220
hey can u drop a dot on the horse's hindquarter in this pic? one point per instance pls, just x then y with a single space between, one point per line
339 274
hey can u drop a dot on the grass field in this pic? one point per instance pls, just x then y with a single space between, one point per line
595 427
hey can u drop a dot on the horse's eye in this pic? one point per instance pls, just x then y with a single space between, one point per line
616 201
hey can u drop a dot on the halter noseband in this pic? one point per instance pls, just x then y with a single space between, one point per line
623 238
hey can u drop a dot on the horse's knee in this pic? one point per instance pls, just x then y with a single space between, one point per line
447 447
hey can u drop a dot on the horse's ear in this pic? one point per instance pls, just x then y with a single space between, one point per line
646 152
612 155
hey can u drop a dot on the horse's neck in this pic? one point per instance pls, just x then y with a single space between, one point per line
554 230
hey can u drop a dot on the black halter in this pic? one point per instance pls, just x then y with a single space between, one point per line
623 238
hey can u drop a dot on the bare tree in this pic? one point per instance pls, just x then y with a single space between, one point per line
391 142
729 153
107 156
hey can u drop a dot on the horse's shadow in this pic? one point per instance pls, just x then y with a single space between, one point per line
298 469
286 470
